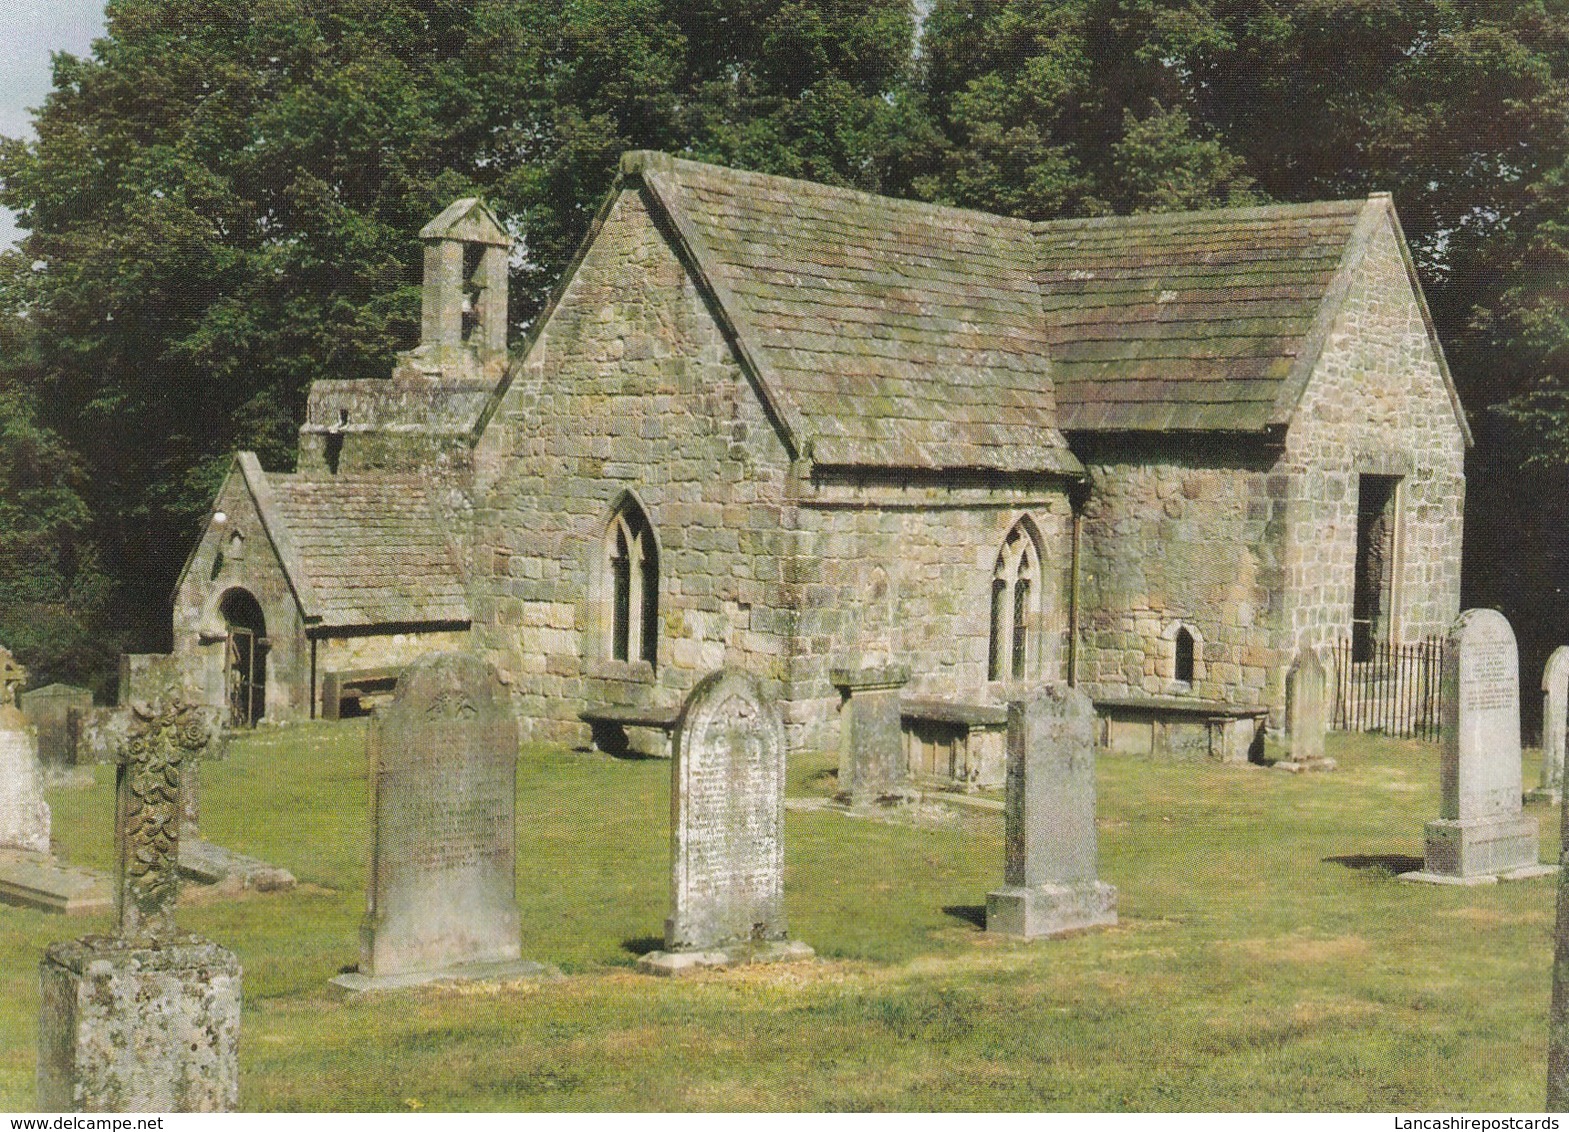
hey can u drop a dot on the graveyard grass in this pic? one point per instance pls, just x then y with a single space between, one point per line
1266 956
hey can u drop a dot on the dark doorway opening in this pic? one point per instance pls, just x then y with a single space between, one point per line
246 657
1373 582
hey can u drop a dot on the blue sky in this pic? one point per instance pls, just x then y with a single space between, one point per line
29 31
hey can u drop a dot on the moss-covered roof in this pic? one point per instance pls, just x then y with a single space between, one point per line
372 549
886 332
1189 321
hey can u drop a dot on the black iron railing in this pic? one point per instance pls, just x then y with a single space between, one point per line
1387 687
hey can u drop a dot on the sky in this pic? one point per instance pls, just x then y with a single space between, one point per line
29 31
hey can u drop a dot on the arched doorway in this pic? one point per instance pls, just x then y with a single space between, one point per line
245 666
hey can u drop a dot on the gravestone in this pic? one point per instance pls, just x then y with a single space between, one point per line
726 831
873 768
59 712
146 1020
24 815
1051 882
205 861
1555 708
1480 834
12 677
441 902
1307 711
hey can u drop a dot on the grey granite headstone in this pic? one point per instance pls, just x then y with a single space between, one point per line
24 815
1307 712
1555 701
873 768
1480 834
726 831
147 1020
441 901
1051 875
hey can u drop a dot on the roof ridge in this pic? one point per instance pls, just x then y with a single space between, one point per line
1271 211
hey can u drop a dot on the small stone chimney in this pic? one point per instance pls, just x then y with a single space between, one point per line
463 326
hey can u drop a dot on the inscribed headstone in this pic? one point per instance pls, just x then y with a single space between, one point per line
873 767
726 830
147 1020
1555 717
24 815
1051 873
1481 833
443 772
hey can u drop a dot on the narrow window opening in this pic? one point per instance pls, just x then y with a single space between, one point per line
1184 671
1013 600
1373 581
633 567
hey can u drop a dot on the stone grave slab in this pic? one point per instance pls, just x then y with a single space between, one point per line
146 1020
1555 717
1481 835
1050 879
726 832
441 903
207 862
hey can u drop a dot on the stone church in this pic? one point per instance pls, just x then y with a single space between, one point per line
802 429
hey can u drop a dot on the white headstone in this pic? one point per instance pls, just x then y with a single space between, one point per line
24 815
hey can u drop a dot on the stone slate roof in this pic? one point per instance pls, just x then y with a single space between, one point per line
368 549
885 332
1188 321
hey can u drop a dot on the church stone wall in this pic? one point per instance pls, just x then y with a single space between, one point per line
631 387
1176 536
1377 404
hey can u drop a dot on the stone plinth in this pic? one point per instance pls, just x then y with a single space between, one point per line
441 902
873 766
1050 878
726 831
128 1027
1555 717
1480 835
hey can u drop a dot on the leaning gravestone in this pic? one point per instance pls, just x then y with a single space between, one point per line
1051 867
1307 713
1480 834
146 1020
726 832
873 769
1555 701
441 903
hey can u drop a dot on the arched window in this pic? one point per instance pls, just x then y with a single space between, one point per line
632 569
1015 590
1184 666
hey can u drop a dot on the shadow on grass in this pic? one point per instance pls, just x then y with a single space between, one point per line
643 944
969 913
1391 864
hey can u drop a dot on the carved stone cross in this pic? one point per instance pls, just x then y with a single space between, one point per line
12 677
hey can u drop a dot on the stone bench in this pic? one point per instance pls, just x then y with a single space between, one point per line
351 687
609 723
1179 728
955 743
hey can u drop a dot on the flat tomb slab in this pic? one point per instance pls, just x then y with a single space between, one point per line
37 880
736 955
353 983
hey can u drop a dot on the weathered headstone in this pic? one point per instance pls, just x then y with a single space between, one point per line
147 1020
12 677
1555 717
1480 834
59 713
726 831
1051 873
873 767
1307 711
24 815
441 902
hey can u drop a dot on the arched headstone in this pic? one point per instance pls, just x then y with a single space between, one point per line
1480 834
1555 717
726 831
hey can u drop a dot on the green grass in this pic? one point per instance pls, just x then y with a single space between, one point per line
1266 956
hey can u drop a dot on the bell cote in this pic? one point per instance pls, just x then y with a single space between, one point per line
464 303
